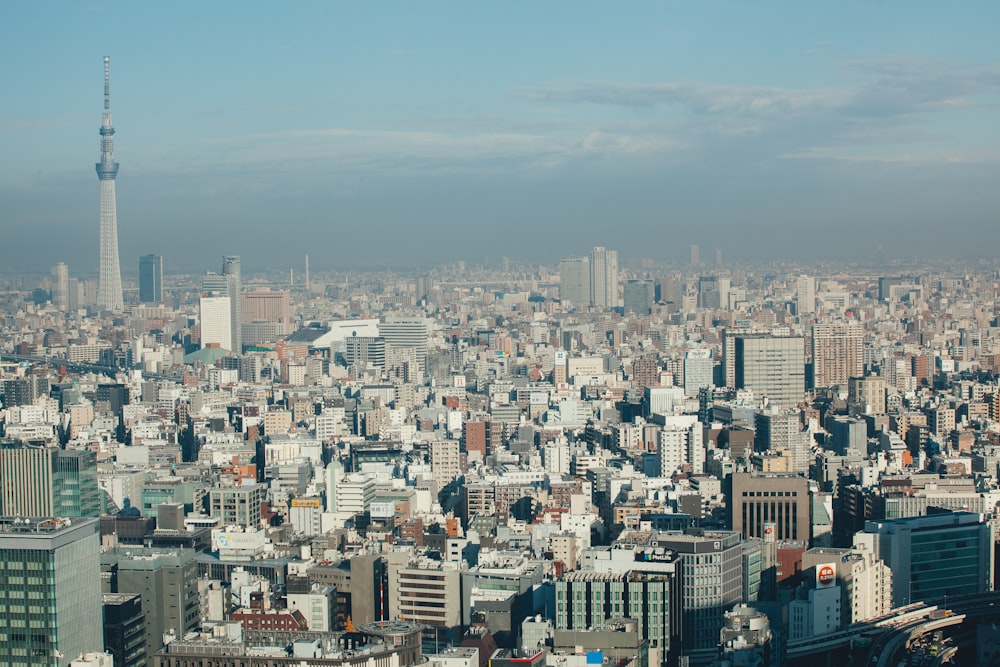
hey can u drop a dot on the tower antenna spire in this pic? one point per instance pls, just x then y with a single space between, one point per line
109 286
107 83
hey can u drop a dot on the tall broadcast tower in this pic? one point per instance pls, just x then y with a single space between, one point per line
109 286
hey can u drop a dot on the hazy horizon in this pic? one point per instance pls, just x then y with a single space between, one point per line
418 134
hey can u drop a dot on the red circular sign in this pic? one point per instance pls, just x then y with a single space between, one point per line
826 575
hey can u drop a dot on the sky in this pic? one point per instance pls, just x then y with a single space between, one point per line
410 134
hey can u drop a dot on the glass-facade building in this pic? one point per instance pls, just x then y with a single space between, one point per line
588 600
46 481
50 591
151 279
934 556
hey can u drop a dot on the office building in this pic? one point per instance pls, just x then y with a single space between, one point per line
166 581
603 278
266 305
838 353
109 285
406 333
50 582
237 505
588 601
948 554
60 286
709 293
771 507
805 297
772 367
574 281
638 296
782 431
669 291
867 395
865 581
711 581
426 592
695 255
699 370
234 284
151 279
124 630
364 352
45 481
216 322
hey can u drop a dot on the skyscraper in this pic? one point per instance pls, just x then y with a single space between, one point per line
637 296
46 481
805 296
215 314
60 286
574 281
838 352
603 278
773 367
109 286
51 581
234 281
151 279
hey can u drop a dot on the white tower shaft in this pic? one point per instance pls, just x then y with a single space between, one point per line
109 285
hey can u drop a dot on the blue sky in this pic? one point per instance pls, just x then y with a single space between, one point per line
414 133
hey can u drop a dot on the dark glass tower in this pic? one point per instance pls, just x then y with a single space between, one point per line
151 279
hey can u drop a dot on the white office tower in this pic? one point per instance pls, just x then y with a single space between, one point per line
805 301
109 286
699 367
60 286
603 278
406 332
216 323
574 281
681 444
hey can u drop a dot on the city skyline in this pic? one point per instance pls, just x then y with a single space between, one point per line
861 125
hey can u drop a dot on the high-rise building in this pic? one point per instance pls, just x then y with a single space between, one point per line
711 581
695 259
838 353
51 583
574 281
637 296
234 282
603 278
167 582
709 294
948 554
151 279
772 367
669 291
406 332
60 286
46 481
781 431
729 336
216 322
771 507
125 630
109 286
805 298
266 305
699 370
866 395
